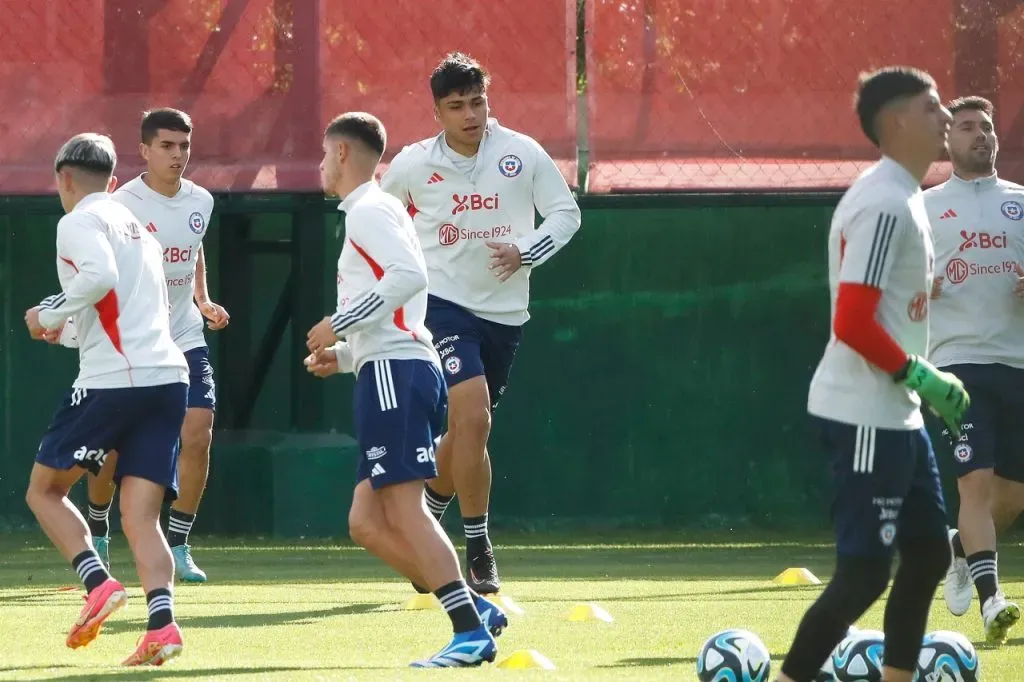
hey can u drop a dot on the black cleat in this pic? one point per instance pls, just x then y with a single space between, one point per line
482 572
421 590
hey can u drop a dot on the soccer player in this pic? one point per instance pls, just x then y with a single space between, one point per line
472 191
129 394
400 396
177 213
977 333
869 385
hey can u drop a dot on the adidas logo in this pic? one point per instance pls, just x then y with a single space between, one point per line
377 470
950 213
435 178
151 228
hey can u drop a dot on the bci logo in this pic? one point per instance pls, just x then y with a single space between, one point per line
172 254
474 202
982 240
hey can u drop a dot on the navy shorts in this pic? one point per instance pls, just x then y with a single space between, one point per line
992 436
400 408
471 346
885 486
142 424
202 391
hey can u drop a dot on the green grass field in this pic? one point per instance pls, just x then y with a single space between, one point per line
324 611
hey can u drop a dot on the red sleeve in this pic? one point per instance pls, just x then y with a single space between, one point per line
855 325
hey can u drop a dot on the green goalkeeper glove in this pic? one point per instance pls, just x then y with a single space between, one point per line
943 392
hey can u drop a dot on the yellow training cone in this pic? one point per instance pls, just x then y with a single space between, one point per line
796 576
525 659
582 612
506 604
422 602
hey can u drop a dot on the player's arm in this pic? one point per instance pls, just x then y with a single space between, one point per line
394 181
872 244
216 315
83 245
377 234
556 206
202 291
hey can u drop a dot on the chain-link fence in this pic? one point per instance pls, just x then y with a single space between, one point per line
757 94
649 95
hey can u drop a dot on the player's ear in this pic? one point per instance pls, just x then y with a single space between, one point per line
65 183
144 151
112 184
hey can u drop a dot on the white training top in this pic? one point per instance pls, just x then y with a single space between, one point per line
113 289
382 283
879 238
459 203
978 227
179 223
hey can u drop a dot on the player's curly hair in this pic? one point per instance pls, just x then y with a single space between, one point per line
971 103
457 72
879 88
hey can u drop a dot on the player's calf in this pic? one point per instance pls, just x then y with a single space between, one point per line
193 471
923 563
977 531
1008 502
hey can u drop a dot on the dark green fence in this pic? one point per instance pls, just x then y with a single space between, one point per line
662 379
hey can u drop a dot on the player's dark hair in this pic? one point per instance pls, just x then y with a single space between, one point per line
88 152
164 118
458 73
879 88
972 103
359 125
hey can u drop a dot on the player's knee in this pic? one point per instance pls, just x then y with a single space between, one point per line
39 493
472 423
362 527
925 560
975 488
34 498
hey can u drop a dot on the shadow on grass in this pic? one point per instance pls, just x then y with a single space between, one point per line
649 662
250 620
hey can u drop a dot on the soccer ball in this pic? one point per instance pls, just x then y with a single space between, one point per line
858 658
827 672
947 657
733 656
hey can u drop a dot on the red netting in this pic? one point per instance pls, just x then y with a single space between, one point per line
262 77
756 94
681 94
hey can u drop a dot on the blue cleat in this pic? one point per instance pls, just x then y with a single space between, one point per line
185 567
493 618
467 649
102 547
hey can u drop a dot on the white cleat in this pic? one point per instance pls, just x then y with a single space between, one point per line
999 616
958 589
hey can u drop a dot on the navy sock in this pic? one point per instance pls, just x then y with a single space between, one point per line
90 569
458 604
160 608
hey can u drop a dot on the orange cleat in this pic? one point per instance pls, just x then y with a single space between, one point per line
157 646
99 605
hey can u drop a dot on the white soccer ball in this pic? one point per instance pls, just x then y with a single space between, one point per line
858 658
947 657
733 654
